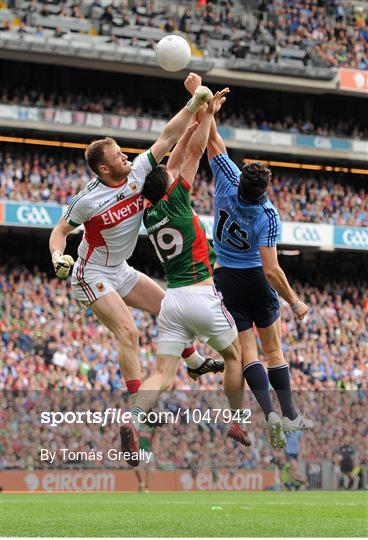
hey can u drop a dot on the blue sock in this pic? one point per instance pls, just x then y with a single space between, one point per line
279 378
256 377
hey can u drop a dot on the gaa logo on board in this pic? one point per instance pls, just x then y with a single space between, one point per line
33 215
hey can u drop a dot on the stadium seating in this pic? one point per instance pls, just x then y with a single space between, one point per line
313 197
57 347
65 348
242 110
309 34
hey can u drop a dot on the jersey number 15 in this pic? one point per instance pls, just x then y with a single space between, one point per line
238 236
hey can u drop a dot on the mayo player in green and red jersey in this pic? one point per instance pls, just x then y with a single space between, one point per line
191 307
145 469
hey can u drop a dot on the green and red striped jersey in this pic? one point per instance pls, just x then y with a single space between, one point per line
179 237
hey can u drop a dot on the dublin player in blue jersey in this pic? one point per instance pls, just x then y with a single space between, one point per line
247 273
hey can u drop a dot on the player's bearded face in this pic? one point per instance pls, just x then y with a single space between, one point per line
116 162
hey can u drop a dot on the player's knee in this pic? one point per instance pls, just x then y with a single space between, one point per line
165 379
165 370
274 357
127 336
232 353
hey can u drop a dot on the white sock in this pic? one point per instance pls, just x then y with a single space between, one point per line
195 360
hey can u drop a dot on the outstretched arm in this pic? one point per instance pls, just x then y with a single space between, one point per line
177 155
198 141
277 279
215 143
175 128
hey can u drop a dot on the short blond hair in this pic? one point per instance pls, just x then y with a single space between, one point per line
94 153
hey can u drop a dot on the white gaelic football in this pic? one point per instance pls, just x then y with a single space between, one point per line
173 53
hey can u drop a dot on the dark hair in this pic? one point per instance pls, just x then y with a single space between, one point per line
254 180
156 184
94 153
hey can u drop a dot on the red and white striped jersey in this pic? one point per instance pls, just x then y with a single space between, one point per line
111 215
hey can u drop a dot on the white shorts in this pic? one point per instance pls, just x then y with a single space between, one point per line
187 312
91 281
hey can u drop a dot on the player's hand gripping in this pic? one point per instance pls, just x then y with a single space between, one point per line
62 264
300 310
192 82
217 101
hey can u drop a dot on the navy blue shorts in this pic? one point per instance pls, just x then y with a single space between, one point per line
248 296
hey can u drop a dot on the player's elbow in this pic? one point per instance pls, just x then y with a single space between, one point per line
59 230
271 271
55 232
168 138
194 152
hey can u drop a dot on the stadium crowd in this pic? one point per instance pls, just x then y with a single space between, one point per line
332 33
56 356
235 115
180 445
49 341
299 196
314 198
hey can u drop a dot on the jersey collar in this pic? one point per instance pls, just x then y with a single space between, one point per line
112 187
260 200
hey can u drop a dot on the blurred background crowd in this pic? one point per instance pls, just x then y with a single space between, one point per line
299 195
56 356
246 109
192 446
49 341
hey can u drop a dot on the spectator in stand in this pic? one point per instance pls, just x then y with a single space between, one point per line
125 21
22 29
184 25
107 19
217 32
237 49
169 26
59 32
140 21
151 44
39 31
113 39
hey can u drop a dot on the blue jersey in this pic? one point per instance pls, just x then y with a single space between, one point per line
293 442
240 229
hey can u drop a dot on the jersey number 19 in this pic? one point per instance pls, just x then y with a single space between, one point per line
168 243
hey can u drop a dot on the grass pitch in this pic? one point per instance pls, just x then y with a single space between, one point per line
185 514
